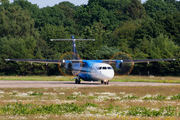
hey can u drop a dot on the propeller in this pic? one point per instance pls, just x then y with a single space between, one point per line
121 68
65 65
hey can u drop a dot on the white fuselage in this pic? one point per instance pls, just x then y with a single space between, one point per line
97 71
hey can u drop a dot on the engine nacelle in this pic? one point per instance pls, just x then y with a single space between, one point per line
68 65
119 64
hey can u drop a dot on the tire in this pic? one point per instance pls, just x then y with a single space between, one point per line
76 81
102 81
79 82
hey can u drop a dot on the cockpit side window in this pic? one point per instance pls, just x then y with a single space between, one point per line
100 68
109 68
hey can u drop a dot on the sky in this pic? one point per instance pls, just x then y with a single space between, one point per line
45 3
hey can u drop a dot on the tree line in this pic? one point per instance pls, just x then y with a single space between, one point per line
144 31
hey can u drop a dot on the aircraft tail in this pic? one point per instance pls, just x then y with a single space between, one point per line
75 57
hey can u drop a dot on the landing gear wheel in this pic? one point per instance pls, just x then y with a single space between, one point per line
107 83
79 81
102 81
76 81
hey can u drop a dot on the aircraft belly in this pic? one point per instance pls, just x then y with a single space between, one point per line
95 76
104 75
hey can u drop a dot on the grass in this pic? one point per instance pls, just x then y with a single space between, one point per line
157 79
115 79
110 102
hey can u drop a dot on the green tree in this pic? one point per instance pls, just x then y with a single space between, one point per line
88 15
135 10
150 28
105 52
69 22
152 6
15 22
69 5
174 2
56 32
33 9
51 15
172 26
157 48
126 34
117 7
86 49
18 48
4 1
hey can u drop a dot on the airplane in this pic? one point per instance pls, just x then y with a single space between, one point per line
89 70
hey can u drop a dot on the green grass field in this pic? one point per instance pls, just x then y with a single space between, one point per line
107 102
110 102
115 79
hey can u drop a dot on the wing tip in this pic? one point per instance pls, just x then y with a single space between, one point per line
7 59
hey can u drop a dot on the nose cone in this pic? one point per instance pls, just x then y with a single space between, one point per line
108 75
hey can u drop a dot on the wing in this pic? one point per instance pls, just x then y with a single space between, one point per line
78 61
43 61
137 61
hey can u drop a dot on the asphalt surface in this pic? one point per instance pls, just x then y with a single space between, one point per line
53 84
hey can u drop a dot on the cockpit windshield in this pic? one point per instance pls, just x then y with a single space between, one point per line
104 68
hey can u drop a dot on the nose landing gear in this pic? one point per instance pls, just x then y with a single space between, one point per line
105 82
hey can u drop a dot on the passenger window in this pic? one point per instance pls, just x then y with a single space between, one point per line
104 68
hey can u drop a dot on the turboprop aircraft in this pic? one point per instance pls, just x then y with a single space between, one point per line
89 70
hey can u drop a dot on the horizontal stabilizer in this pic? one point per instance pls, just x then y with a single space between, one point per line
72 39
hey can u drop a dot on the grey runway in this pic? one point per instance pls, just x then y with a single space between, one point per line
53 84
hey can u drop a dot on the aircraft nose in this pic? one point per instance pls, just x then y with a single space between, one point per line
108 74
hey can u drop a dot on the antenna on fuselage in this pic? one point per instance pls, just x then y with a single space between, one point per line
73 44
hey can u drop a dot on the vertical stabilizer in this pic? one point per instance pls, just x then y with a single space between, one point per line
75 56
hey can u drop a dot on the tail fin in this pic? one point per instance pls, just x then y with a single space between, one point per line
75 57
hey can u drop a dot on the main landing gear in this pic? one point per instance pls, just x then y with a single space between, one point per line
77 81
105 82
